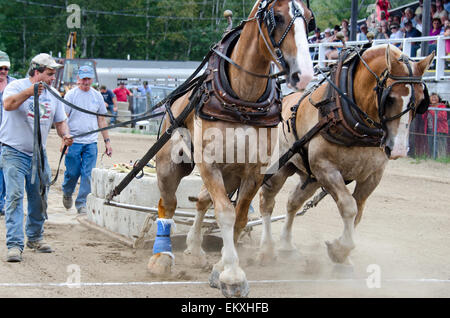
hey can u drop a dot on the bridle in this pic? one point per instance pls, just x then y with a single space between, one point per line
266 15
383 91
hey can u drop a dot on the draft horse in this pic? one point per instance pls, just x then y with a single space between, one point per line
237 94
352 145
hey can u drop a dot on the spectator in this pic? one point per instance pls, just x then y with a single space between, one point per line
381 32
5 79
122 92
382 18
110 101
396 33
146 91
362 36
396 19
344 29
82 155
317 38
435 30
432 9
328 38
446 5
411 32
419 9
382 6
447 42
444 23
440 11
441 128
418 19
409 16
16 135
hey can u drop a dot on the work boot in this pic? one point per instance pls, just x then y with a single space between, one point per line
14 255
39 246
82 210
67 201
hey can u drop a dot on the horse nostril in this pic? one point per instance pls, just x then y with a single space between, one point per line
296 76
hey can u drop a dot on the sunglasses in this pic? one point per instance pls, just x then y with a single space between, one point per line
4 69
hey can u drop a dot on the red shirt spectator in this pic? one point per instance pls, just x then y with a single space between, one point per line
121 93
383 5
442 125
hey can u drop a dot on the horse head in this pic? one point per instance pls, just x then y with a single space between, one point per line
400 94
284 38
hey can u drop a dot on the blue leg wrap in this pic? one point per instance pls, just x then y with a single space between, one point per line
163 243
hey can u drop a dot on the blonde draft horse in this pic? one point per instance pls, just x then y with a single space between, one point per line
333 164
254 53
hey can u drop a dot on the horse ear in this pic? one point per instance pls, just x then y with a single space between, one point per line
425 63
390 59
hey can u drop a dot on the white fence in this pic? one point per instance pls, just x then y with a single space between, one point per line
405 46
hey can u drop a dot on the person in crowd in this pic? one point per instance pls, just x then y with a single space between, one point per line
329 38
441 127
447 42
146 91
82 155
419 9
110 101
344 29
418 19
382 32
122 92
316 38
5 79
435 30
408 16
396 19
411 32
396 33
362 36
440 11
17 138
382 6
446 5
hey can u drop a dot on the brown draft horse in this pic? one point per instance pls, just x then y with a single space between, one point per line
254 53
333 164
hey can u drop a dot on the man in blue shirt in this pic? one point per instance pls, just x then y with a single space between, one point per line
5 79
412 32
110 99
146 91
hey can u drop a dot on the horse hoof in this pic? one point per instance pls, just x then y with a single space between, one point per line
337 253
264 259
239 290
160 264
214 279
195 259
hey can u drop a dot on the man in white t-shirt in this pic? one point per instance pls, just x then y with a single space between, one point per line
81 157
17 138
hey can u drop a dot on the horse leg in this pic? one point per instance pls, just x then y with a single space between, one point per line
339 250
194 252
169 177
296 200
363 190
267 195
232 279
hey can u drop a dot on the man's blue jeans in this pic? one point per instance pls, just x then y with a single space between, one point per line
80 160
111 110
2 189
17 168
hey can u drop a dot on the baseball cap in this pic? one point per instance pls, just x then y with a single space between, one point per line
44 60
86 71
327 30
4 59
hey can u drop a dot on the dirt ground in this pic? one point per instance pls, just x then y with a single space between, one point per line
403 236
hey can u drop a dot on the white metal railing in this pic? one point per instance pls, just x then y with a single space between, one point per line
405 45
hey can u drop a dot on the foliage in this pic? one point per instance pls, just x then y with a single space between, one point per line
144 29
